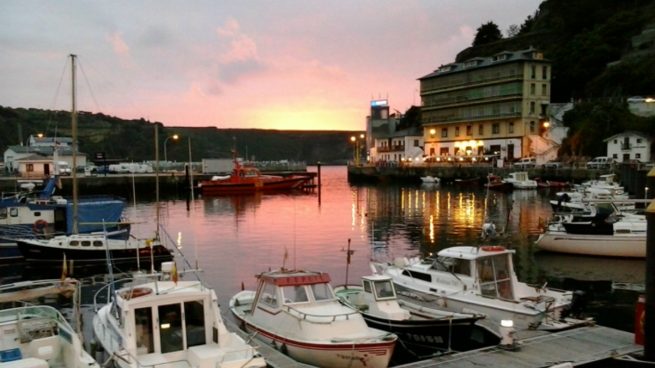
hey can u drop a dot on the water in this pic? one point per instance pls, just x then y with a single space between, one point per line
233 238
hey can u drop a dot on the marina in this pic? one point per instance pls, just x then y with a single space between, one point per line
233 238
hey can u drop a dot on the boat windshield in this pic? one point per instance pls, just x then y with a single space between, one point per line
494 276
295 294
384 290
453 265
322 292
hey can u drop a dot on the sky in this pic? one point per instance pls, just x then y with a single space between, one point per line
269 64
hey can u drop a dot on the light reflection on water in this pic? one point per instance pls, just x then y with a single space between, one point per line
233 238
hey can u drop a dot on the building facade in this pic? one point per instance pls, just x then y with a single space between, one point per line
386 144
486 106
629 146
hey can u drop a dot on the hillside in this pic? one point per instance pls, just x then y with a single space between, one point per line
596 46
133 140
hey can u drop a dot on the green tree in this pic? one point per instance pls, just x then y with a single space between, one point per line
487 33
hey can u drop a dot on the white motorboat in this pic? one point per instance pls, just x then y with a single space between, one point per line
167 323
297 312
430 180
520 180
585 198
421 330
480 280
616 235
38 336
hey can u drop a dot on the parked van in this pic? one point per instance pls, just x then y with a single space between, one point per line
600 162
526 163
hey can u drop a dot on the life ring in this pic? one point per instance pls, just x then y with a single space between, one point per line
492 248
39 226
135 293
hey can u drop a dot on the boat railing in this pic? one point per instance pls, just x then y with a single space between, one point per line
318 318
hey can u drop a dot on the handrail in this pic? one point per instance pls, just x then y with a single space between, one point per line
300 315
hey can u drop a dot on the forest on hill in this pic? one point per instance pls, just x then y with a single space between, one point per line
134 140
602 53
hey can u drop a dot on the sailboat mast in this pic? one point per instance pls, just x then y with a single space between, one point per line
157 180
74 134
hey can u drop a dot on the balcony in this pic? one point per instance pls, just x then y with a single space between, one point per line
626 146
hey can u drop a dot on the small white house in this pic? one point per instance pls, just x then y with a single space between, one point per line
628 146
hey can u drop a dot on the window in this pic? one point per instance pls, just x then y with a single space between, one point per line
533 73
544 90
638 140
170 327
532 107
544 72
495 128
294 294
322 292
384 289
3 213
444 132
510 129
532 89
637 155
456 131
98 243
13 212
443 151
194 320
469 130
418 275
532 127
143 325
29 167
269 297
495 281
416 143
481 129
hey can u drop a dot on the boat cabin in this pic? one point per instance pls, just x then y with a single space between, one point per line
151 324
487 270
278 289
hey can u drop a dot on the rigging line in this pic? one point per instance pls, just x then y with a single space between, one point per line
88 85
55 97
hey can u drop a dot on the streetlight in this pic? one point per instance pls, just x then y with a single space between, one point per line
353 139
175 137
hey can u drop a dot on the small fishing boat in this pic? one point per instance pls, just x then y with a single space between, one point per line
495 182
38 336
248 179
93 248
597 233
159 321
421 331
430 180
520 180
297 313
481 280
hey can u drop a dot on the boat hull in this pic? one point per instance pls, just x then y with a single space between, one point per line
427 336
328 351
593 245
219 187
35 252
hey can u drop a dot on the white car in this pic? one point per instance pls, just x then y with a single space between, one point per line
600 162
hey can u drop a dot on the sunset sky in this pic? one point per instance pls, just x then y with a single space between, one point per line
271 64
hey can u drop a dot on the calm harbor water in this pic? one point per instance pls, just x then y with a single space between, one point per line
233 238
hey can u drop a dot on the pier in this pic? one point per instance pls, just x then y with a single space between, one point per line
576 347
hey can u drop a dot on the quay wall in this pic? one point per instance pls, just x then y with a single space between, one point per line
632 177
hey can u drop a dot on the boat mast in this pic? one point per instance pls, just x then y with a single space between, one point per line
74 143
156 182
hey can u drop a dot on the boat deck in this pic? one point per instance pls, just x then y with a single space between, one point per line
542 349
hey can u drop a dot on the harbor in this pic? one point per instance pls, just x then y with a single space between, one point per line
381 222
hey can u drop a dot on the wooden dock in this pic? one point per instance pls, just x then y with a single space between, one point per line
577 346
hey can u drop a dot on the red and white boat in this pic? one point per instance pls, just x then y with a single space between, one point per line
248 179
297 312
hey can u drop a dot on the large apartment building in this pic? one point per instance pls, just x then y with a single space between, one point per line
486 105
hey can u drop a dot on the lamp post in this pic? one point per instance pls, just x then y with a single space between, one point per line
356 153
175 137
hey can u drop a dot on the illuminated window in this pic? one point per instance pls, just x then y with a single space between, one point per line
495 128
444 132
